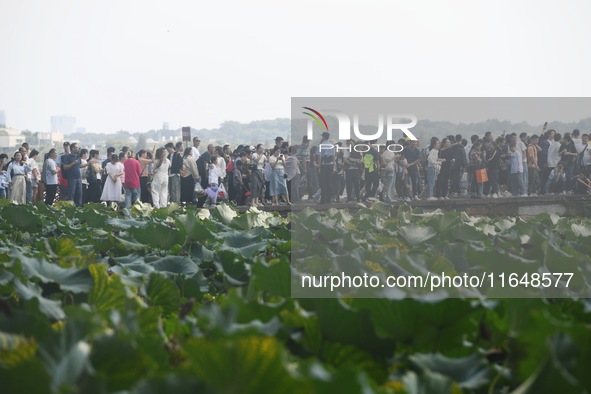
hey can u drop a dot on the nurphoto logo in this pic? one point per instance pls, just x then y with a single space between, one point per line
388 123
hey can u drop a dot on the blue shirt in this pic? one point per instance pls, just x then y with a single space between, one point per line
516 163
326 152
3 181
74 171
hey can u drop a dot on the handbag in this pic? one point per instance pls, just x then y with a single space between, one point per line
481 175
222 191
199 189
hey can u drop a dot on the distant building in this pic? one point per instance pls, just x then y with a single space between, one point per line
50 139
80 129
11 138
63 124
165 126
2 119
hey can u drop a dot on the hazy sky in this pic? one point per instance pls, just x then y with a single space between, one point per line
123 64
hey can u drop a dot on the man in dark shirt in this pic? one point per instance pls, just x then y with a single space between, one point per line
371 163
411 153
174 177
543 161
202 163
458 165
71 172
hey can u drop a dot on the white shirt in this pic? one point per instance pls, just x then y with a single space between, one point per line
522 149
83 171
260 160
213 175
279 165
163 169
432 157
553 157
220 164
195 153
388 158
33 164
586 155
467 149
50 178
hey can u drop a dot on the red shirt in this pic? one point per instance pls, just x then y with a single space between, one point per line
132 173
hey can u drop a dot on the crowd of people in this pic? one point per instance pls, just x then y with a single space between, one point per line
509 165
174 173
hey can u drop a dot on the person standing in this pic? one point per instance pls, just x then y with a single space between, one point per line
112 187
442 181
492 157
553 155
83 167
145 162
433 168
411 153
50 169
389 174
174 177
544 145
522 146
17 172
71 172
476 163
313 169
94 177
292 170
533 166
327 156
256 175
458 165
160 180
132 170
568 154
371 163
189 177
354 166
278 184
35 174
584 158
516 179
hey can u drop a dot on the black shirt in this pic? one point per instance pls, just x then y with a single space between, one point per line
176 161
411 155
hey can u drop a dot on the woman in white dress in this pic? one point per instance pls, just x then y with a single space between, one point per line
17 172
220 163
160 180
112 188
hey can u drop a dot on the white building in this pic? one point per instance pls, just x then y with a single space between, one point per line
11 138
50 139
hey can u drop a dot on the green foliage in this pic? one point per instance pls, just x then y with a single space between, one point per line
96 301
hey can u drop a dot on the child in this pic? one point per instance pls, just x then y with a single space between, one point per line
213 173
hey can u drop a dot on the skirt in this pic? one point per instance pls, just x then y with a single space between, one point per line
187 189
18 192
278 183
